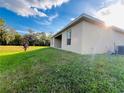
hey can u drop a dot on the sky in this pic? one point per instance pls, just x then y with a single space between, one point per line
52 15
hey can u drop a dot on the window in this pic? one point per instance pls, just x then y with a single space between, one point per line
69 38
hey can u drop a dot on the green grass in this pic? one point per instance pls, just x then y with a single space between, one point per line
48 70
6 50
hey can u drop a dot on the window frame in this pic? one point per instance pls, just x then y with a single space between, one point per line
69 36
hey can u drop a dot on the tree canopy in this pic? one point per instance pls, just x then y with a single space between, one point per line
9 36
1 22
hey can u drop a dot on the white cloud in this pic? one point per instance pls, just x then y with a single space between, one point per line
60 28
51 18
72 19
30 7
45 22
22 31
113 14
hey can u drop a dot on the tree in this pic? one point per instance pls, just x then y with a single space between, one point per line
9 36
30 37
2 22
17 40
2 31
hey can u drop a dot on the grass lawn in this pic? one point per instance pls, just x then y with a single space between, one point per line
6 50
48 70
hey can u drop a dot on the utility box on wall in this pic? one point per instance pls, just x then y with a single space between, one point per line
121 50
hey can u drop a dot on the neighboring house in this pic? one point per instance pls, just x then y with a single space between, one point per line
88 35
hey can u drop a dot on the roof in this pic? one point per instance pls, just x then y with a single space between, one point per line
117 29
85 17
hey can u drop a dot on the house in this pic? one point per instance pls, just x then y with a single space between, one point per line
89 35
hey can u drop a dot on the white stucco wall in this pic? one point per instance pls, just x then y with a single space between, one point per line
118 38
52 42
75 39
96 39
88 38
57 43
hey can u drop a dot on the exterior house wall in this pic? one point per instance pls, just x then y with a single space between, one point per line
89 38
75 38
96 39
52 42
57 43
118 38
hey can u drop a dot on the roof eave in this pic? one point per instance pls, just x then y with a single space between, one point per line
85 17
